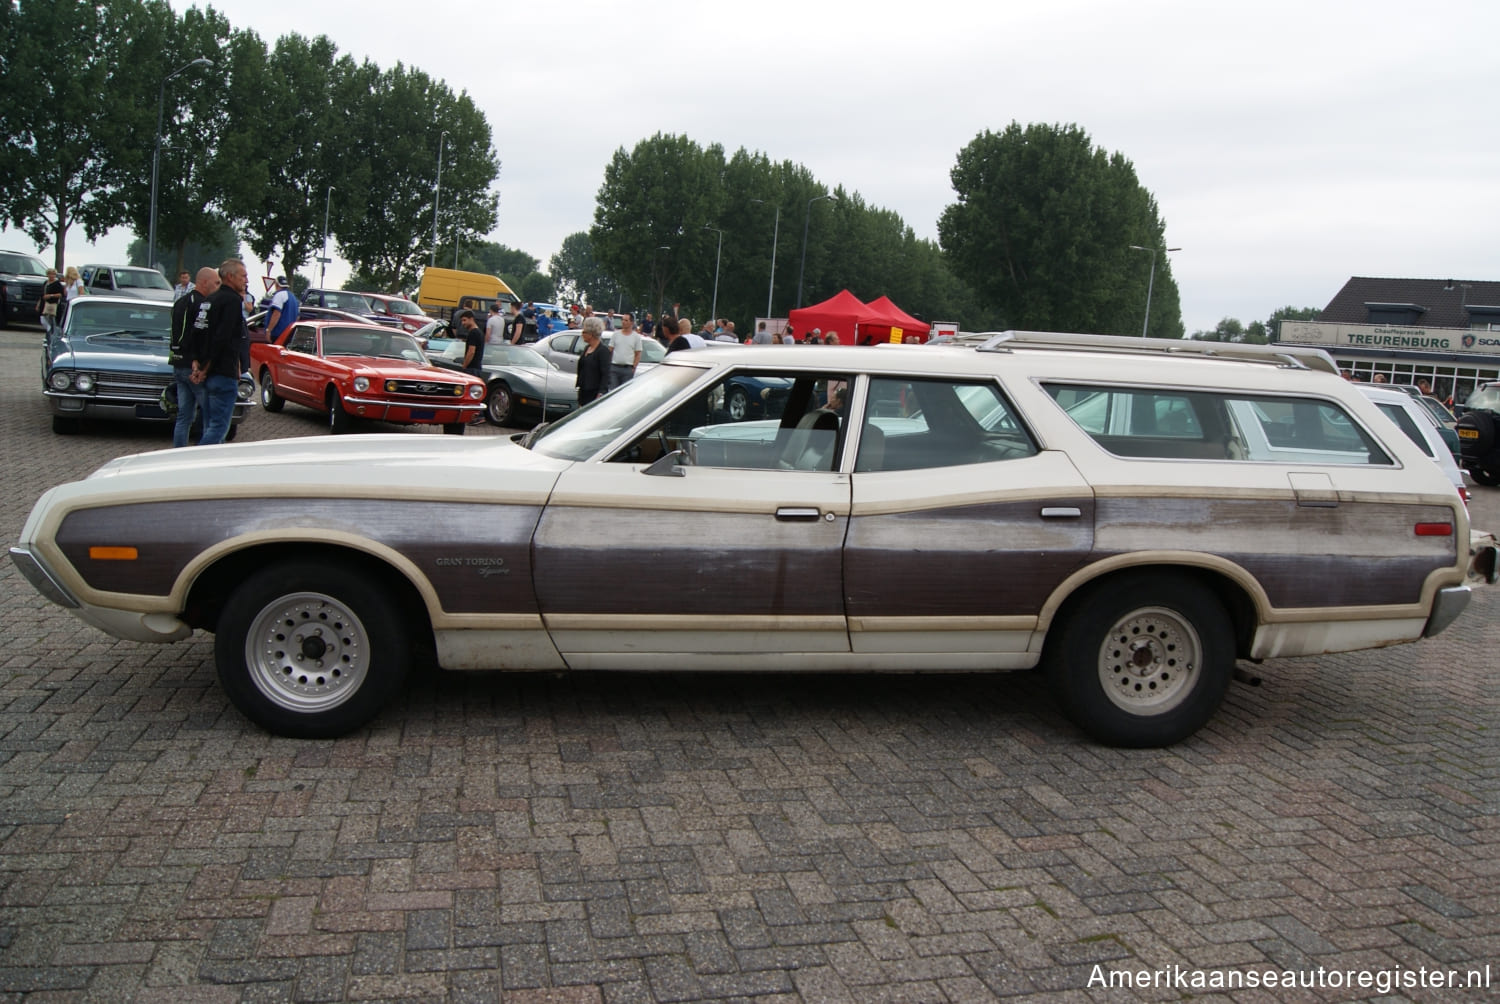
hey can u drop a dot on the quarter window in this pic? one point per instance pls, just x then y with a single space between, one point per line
1152 423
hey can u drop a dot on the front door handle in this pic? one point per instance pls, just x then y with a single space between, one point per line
1061 512
797 514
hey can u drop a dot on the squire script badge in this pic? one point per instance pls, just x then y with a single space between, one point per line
484 566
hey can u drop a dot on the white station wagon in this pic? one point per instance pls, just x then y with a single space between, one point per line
1133 515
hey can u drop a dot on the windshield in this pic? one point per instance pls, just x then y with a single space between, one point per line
522 356
588 430
403 307
22 264
380 343
1486 398
140 278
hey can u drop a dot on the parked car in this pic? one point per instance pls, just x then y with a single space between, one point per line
109 362
127 280
943 509
524 387
1479 434
22 277
362 371
406 313
349 302
1418 425
256 322
564 348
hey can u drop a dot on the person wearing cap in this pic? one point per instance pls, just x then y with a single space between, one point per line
284 310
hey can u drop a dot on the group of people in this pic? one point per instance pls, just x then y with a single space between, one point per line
52 308
209 349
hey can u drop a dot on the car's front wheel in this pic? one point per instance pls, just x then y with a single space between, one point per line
500 405
338 419
1142 659
737 403
269 399
310 650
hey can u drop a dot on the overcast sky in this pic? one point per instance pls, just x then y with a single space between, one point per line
1289 145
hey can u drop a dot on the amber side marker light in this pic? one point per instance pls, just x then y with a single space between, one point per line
1434 529
113 553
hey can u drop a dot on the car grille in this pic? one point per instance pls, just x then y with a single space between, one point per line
134 386
422 388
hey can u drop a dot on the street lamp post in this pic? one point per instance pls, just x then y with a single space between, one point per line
323 261
714 310
161 99
775 233
437 193
806 218
1150 282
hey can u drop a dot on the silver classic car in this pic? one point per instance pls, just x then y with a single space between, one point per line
109 361
1132 516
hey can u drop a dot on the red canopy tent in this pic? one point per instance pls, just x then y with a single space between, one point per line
882 317
841 312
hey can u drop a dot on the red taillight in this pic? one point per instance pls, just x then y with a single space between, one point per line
1434 529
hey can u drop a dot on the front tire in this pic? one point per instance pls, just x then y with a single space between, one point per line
500 405
338 419
1142 660
269 399
311 651
1484 476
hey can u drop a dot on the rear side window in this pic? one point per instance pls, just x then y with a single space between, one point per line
919 424
1177 424
1404 422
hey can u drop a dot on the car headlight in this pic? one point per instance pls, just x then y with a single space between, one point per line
476 391
84 382
13 289
246 388
361 384
60 379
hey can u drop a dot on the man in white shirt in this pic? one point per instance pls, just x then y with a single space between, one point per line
494 328
625 352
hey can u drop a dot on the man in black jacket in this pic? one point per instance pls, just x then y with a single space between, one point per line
189 325
217 356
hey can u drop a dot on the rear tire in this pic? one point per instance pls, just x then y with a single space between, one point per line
1484 476
1142 660
310 650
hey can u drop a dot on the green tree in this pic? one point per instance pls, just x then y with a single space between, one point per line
1288 313
385 221
535 287
494 259
578 276
1042 231
224 243
71 156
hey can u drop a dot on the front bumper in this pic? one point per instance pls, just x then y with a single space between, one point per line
121 409
128 624
441 411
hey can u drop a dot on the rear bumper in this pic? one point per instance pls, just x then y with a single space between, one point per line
1446 606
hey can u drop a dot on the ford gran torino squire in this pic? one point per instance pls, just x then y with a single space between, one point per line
1131 515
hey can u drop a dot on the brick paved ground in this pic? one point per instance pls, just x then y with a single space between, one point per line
678 838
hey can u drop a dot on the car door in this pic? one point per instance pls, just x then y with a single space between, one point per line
299 374
641 563
960 527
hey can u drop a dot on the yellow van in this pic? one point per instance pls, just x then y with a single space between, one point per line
445 290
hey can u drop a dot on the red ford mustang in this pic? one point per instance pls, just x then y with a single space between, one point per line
350 371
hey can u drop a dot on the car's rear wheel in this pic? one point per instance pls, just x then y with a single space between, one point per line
1484 476
64 425
1142 659
338 419
310 650
500 406
269 399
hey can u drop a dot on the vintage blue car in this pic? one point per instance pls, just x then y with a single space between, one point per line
109 361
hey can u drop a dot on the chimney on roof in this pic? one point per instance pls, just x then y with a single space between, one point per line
1448 285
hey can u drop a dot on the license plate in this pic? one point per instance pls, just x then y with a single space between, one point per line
421 414
1468 433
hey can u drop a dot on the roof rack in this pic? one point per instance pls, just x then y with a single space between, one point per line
1294 357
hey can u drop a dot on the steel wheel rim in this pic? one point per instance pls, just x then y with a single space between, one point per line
499 405
307 652
1149 661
